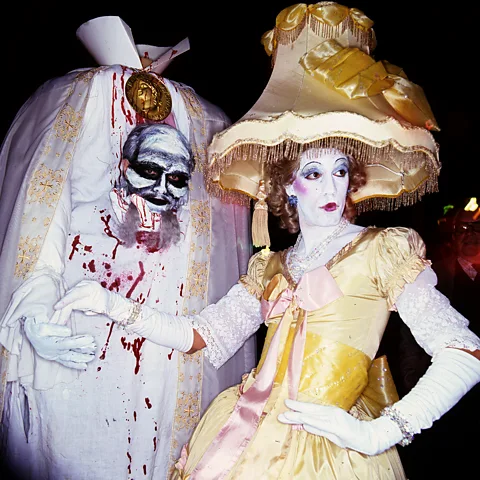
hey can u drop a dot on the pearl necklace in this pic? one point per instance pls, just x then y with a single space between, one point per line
298 265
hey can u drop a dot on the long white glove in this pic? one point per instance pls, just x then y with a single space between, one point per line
90 297
452 374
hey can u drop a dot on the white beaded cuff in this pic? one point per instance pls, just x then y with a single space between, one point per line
136 308
402 423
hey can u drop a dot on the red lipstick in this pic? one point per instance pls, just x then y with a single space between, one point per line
330 207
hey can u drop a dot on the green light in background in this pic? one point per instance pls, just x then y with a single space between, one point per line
446 208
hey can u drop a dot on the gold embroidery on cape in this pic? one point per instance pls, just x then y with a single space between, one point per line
88 75
46 186
190 367
28 252
188 410
68 124
197 280
195 110
200 214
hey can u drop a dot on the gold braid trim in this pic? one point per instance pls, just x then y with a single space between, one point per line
253 280
251 287
325 19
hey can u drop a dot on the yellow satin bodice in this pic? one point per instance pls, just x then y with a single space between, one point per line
343 336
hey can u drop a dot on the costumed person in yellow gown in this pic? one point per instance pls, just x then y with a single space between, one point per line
334 131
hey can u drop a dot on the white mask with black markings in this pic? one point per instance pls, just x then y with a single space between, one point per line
160 166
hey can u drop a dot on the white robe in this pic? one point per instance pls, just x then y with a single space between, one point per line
130 412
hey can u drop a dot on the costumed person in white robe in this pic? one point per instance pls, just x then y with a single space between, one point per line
334 130
104 181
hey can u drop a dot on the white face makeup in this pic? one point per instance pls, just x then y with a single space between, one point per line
321 185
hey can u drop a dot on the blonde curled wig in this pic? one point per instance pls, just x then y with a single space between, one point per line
282 173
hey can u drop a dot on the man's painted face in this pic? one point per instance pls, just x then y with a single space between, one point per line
160 172
321 185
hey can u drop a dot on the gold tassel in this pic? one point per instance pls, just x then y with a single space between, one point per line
260 236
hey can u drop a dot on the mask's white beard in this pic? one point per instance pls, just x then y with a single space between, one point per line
130 232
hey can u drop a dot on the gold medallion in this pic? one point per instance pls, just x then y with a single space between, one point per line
148 96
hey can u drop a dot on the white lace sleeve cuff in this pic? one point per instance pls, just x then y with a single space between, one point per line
227 324
434 323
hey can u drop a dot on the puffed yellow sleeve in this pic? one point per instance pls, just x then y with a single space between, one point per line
253 280
398 258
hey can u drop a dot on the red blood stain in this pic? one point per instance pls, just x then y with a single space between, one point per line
130 277
115 285
163 268
103 210
91 265
107 266
147 401
103 284
122 78
109 274
129 440
99 368
108 231
114 96
144 469
150 240
75 244
134 416
87 248
127 114
136 347
139 119
84 265
154 444
170 355
156 427
181 290
104 348
173 53
129 466
137 280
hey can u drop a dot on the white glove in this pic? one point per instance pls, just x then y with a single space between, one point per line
90 297
452 374
342 428
55 342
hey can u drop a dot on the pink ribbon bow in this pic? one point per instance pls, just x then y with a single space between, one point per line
315 290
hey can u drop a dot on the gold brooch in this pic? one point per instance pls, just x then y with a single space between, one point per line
148 96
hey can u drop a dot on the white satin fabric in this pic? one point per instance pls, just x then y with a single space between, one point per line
119 418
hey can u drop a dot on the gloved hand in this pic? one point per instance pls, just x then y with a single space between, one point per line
56 342
341 428
172 331
452 374
91 298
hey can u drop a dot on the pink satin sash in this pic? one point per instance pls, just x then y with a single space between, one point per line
315 290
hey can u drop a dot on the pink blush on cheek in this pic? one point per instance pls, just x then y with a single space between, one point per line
300 187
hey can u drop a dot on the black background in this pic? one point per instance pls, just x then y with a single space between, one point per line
436 46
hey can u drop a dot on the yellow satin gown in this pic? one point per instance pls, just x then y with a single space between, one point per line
342 339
